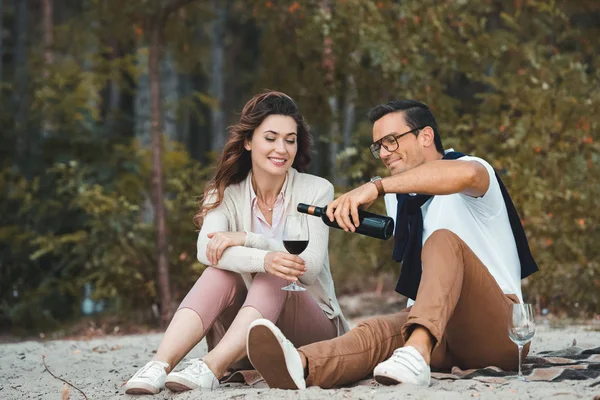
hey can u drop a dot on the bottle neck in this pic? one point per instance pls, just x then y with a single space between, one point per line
311 209
316 211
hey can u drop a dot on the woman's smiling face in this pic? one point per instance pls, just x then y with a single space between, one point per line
274 145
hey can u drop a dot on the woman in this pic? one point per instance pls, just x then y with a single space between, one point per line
259 180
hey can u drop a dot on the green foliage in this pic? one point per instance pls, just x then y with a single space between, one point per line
75 231
513 82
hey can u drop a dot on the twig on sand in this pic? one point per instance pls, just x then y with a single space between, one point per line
61 379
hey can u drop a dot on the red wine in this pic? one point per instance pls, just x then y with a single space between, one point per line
373 225
295 246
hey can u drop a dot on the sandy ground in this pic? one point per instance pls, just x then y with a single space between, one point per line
100 366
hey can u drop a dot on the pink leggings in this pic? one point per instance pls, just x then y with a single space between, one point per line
218 295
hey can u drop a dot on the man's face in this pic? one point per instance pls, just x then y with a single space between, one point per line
409 153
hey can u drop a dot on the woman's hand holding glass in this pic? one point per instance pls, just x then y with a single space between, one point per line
284 265
220 241
278 263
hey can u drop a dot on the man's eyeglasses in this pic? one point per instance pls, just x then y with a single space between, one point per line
389 142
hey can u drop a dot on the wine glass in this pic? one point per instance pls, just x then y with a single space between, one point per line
295 240
521 328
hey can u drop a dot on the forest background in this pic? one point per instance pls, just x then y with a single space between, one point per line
113 112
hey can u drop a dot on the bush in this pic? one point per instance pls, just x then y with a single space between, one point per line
76 231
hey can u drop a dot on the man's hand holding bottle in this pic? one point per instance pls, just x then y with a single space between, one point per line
344 209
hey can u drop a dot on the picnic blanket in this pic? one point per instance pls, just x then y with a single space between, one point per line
572 363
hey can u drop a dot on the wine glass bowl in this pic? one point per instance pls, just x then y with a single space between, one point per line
295 241
521 328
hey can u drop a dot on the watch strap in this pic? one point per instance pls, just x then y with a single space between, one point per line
377 182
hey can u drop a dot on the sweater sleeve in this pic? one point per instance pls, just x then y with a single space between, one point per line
238 259
258 241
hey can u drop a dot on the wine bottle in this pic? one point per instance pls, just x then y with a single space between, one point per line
373 225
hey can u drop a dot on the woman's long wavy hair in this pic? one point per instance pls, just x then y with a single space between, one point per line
235 163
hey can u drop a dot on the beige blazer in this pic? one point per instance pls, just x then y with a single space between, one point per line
234 215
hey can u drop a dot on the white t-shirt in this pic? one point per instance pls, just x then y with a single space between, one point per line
482 223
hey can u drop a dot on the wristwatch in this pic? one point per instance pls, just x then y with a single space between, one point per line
376 180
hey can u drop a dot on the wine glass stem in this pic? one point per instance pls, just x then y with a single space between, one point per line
520 373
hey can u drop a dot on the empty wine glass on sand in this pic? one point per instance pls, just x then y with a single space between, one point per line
521 328
295 241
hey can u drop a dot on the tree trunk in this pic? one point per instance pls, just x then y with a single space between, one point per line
329 66
142 99
349 110
113 108
47 23
157 174
157 25
185 89
170 94
348 122
1 37
19 93
217 84
334 145
143 103
114 99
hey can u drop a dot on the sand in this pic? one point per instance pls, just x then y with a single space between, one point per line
100 366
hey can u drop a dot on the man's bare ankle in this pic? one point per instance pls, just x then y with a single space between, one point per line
422 340
304 362
302 359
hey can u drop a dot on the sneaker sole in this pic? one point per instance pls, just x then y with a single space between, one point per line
178 386
386 380
262 341
142 390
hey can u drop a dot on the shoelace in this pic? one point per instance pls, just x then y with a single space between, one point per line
196 367
152 370
406 358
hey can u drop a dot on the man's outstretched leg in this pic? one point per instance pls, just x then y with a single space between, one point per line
343 360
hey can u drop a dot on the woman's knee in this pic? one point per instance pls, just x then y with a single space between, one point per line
269 285
265 295
225 279
268 279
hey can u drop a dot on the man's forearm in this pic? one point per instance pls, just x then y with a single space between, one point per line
439 178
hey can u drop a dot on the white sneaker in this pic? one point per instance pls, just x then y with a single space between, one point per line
406 365
196 375
273 356
149 379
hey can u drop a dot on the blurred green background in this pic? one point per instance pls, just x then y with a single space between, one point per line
86 85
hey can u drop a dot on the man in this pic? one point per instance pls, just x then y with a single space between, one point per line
463 253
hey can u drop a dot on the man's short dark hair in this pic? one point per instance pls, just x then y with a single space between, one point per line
416 115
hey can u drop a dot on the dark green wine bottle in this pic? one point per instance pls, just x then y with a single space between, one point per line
373 225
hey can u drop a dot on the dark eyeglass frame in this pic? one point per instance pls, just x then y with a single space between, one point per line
375 147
